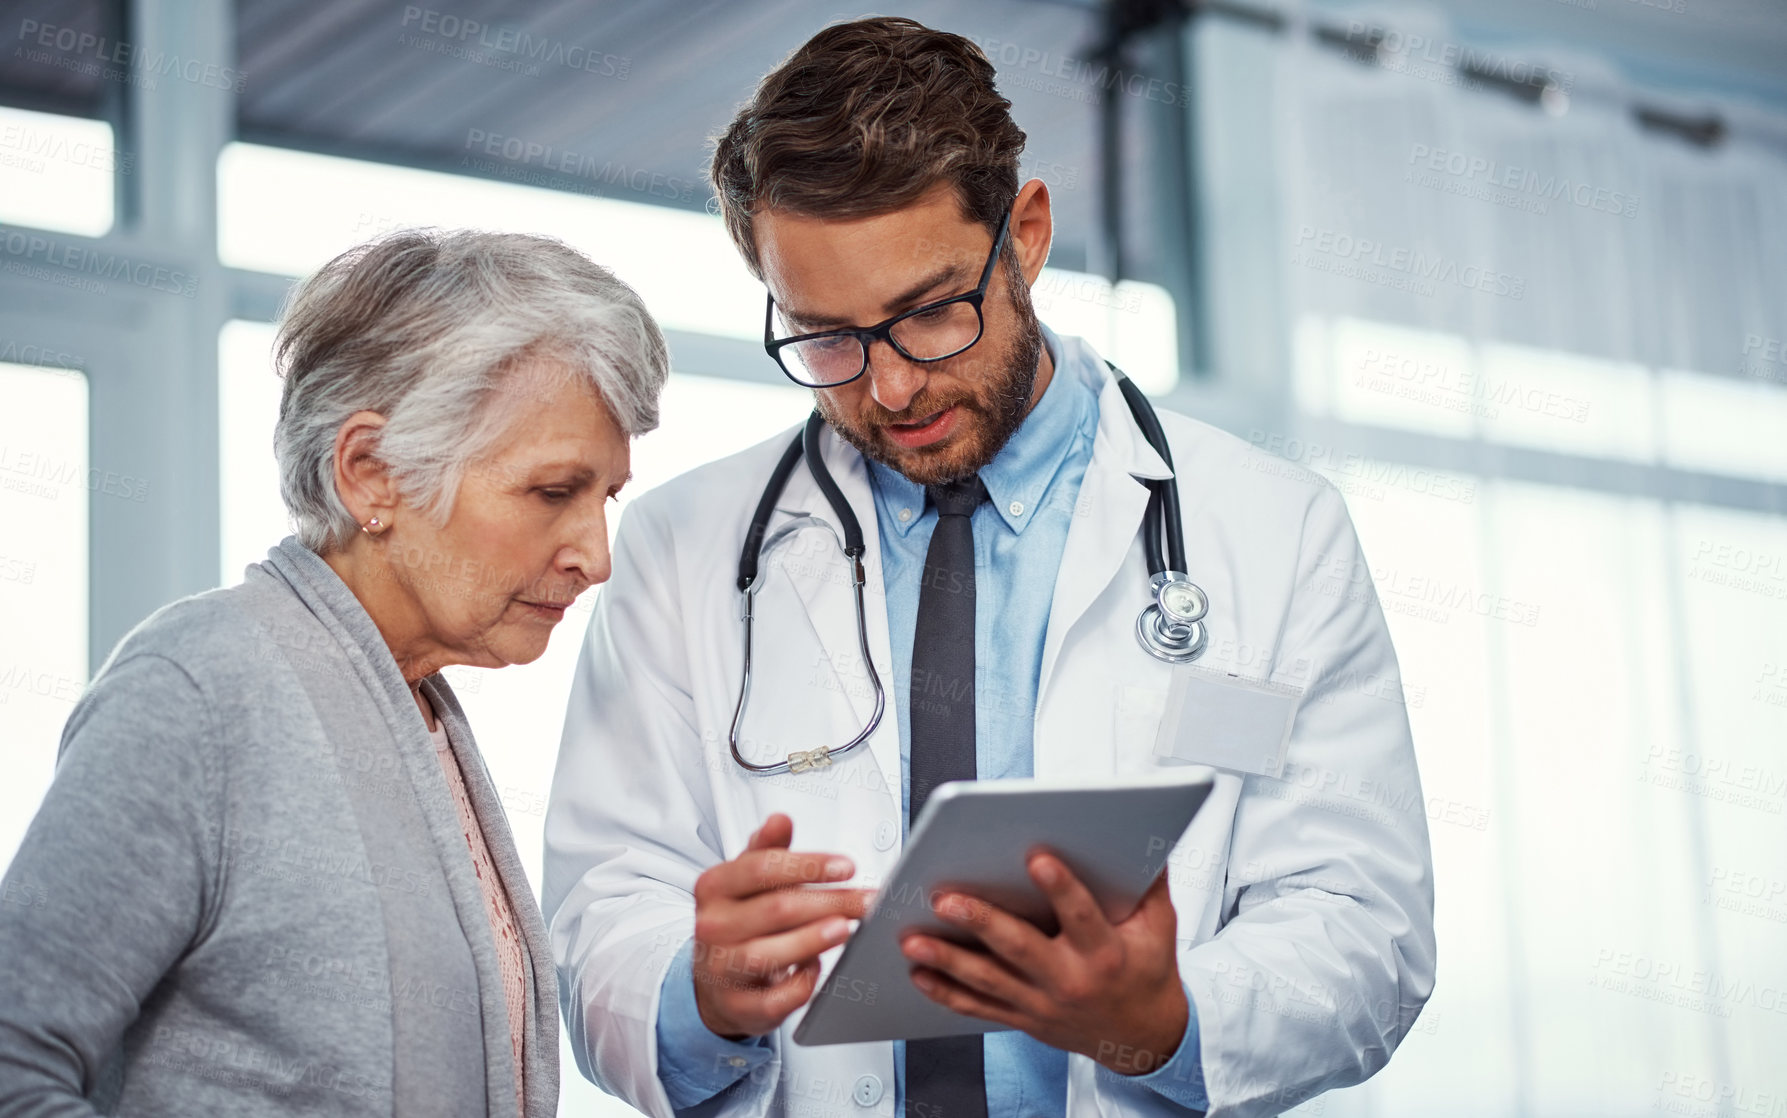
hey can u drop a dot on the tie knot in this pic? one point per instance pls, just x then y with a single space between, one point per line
957 498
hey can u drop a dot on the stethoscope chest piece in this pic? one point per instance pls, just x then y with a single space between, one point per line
1172 627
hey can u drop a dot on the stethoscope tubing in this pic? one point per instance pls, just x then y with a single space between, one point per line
821 756
1172 643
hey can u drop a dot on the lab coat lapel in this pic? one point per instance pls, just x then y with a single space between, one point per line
825 592
1107 516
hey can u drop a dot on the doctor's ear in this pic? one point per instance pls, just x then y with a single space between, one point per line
362 478
1032 228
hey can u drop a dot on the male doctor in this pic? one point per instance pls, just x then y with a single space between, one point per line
998 473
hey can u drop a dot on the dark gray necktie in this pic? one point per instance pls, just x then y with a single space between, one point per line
945 1076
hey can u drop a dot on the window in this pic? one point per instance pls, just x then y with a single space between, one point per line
44 490
1598 694
289 212
57 172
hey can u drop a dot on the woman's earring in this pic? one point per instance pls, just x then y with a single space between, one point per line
373 527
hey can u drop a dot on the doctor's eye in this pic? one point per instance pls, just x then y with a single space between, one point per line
555 494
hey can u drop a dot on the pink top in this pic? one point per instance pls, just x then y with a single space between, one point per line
496 905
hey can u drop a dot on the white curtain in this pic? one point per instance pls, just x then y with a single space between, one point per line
1597 677
1621 242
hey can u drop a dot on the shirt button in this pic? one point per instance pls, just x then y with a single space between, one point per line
884 835
867 1091
1016 508
737 1061
905 515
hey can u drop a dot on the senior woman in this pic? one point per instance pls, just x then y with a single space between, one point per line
272 876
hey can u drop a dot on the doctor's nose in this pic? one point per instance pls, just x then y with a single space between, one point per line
893 380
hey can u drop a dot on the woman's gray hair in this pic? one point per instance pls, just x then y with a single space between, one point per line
422 327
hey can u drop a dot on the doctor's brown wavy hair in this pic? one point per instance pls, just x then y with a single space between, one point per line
862 120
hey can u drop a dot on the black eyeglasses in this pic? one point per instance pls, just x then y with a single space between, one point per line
932 332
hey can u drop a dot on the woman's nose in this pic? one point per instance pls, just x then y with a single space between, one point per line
590 556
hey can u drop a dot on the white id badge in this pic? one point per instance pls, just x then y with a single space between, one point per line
1227 722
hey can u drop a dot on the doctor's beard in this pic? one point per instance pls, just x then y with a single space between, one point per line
993 406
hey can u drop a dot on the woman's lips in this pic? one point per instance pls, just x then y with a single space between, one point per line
553 611
926 431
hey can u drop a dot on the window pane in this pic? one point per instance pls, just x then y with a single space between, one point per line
57 172
1566 402
254 517
1724 426
1396 376
44 490
1377 374
1602 871
1132 324
1598 691
1425 554
289 212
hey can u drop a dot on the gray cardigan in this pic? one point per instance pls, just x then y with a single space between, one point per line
247 891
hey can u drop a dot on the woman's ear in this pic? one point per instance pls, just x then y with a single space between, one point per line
361 476
1032 228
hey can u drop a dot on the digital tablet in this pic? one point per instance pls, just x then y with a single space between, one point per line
975 837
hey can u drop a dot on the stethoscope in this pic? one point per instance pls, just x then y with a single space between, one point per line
1169 628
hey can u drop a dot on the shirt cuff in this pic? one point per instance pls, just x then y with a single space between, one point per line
1181 1078
695 1063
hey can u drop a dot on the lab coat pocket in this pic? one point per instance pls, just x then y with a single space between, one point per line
1227 722
1138 713
1139 710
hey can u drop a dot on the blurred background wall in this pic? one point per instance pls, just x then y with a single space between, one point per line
1512 274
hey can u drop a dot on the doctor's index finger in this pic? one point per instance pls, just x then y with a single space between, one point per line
796 947
759 870
1083 922
735 921
1022 945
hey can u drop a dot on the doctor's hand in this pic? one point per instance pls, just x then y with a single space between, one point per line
759 930
1108 991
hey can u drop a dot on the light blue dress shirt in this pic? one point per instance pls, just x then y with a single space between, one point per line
1019 537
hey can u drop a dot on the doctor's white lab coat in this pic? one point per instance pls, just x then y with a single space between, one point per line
1303 888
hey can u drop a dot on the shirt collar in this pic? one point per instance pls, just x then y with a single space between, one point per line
1019 476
